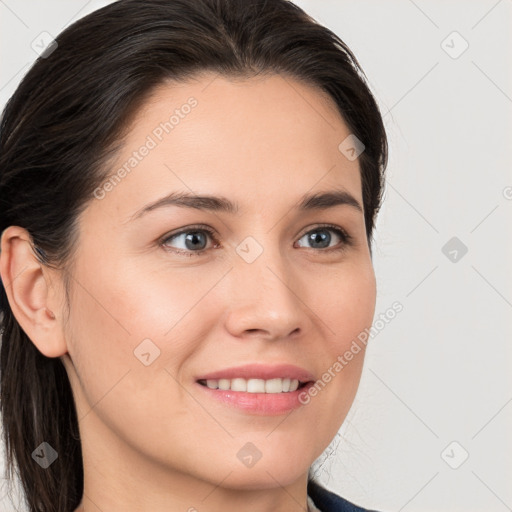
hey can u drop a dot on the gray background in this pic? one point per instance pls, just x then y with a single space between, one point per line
436 387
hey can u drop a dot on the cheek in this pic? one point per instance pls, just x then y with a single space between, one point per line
346 309
145 406
99 341
124 317
158 300
347 304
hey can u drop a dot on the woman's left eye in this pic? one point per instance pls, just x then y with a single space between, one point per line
195 240
315 239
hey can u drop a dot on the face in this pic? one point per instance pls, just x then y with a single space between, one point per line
170 302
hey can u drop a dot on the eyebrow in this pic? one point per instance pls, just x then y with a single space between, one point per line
317 201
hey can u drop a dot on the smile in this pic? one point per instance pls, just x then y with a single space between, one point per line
276 385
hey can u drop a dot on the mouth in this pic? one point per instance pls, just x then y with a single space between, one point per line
257 388
242 385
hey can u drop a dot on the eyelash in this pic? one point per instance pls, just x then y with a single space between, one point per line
346 239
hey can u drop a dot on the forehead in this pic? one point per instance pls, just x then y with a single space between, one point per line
258 140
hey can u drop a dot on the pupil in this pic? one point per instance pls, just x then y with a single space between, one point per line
318 238
192 237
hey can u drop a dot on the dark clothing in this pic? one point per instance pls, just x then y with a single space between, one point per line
327 501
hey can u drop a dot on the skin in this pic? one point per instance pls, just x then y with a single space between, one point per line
151 439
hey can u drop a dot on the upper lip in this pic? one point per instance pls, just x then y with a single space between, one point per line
261 371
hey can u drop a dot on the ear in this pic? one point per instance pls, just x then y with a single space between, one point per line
29 290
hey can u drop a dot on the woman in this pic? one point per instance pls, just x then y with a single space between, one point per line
141 369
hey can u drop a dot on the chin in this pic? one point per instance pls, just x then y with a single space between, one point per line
265 476
279 462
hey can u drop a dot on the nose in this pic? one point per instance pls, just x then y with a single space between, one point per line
267 298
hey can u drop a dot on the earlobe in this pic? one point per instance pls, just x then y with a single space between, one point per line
27 290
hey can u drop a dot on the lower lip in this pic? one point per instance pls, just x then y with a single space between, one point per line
259 403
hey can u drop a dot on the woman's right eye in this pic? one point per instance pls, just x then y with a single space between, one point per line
193 238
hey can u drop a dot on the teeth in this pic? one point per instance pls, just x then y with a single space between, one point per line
224 384
274 386
212 384
254 385
238 385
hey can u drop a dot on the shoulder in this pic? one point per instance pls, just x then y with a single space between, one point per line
327 501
